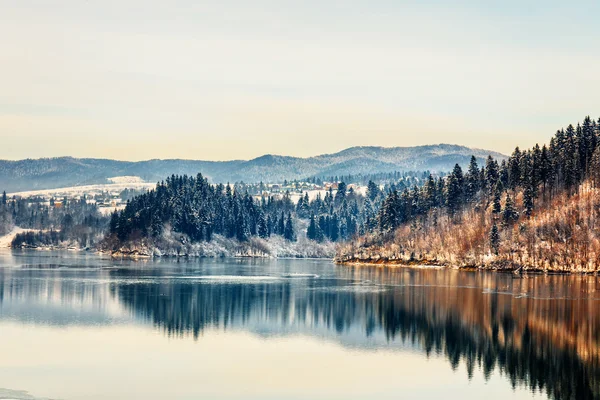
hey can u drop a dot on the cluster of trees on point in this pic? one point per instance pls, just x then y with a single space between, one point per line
194 207
197 209
75 221
572 156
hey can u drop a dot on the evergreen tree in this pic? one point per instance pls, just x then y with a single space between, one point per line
114 220
514 170
492 174
262 226
495 239
472 179
509 214
340 195
455 190
311 231
528 199
288 233
595 167
281 225
388 213
496 206
372 190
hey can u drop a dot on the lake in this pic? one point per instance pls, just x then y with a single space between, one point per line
80 326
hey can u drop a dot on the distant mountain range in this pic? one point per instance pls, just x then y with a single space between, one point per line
49 173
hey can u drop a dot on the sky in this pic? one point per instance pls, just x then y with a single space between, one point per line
220 80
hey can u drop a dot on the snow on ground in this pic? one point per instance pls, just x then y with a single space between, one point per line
126 179
89 190
110 210
312 194
7 239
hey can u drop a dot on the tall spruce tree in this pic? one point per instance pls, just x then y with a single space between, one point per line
509 214
495 239
288 233
455 190
472 180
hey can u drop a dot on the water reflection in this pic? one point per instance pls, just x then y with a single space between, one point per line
538 331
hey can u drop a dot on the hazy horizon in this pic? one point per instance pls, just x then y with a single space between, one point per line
247 159
137 80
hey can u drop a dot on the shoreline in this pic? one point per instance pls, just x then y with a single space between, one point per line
434 265
349 262
143 256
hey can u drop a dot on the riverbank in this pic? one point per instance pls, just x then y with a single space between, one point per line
222 247
492 265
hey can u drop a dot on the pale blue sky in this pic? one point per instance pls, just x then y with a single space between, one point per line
236 79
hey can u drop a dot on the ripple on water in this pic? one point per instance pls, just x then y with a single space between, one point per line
229 279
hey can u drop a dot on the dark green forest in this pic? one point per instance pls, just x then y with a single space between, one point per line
197 209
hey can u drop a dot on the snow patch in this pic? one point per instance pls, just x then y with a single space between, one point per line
126 179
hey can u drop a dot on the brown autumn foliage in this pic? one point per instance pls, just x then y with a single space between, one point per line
562 235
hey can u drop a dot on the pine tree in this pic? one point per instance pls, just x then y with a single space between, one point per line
496 206
514 170
289 229
340 195
595 167
372 190
156 225
495 239
455 190
241 232
311 231
509 214
545 168
114 222
389 213
472 179
281 225
430 195
528 199
492 174
262 227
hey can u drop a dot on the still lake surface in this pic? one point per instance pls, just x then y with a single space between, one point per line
79 326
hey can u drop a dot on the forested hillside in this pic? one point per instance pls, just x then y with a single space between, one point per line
537 210
184 210
61 223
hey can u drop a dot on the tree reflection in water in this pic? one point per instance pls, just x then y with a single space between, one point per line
539 331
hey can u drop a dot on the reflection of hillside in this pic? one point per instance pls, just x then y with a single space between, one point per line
542 331
479 319
54 285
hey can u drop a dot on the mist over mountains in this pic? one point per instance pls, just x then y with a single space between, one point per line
49 173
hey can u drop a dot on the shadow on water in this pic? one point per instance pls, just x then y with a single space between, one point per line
541 331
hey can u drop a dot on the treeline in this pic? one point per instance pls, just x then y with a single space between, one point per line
341 215
387 180
511 200
198 210
572 156
407 178
56 222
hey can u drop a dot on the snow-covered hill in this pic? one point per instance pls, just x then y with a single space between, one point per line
47 173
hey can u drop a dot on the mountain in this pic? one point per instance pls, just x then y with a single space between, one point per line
48 173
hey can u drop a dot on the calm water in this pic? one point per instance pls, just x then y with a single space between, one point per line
78 326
